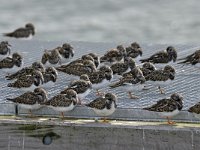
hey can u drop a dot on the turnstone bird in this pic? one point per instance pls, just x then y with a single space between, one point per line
63 102
96 59
195 110
81 60
83 86
104 106
26 32
4 49
51 57
31 100
132 66
162 57
121 67
113 55
78 69
66 52
28 82
131 82
134 51
50 76
161 77
168 107
13 64
27 71
193 59
101 78
147 68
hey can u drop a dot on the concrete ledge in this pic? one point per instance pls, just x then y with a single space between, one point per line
119 114
35 133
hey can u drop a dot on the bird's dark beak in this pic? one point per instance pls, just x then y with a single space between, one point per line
108 76
140 52
53 78
19 63
42 80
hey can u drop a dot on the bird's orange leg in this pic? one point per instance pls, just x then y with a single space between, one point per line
170 122
105 120
161 90
62 114
131 96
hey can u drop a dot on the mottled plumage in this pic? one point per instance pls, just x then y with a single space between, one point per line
101 78
9 62
63 102
83 86
192 59
79 68
162 74
50 76
104 106
4 49
96 59
161 77
134 51
26 32
51 57
131 82
114 55
31 100
81 60
168 107
195 109
28 82
121 67
147 68
162 57
67 51
27 71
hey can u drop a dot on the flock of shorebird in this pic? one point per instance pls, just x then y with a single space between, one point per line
93 72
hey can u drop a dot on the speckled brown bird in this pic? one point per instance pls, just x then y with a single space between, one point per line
31 100
104 106
81 60
50 77
121 67
114 55
83 86
51 57
11 64
161 77
162 57
168 107
28 82
96 59
26 32
131 82
195 110
134 51
63 102
66 52
193 59
27 71
78 69
101 78
5 49
147 68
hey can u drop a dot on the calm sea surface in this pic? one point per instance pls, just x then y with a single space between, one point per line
149 21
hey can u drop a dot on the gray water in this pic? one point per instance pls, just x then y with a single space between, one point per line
149 21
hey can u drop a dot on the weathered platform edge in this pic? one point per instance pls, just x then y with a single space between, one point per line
133 114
